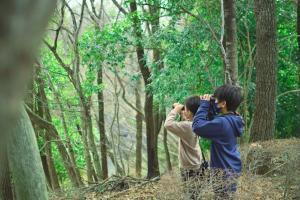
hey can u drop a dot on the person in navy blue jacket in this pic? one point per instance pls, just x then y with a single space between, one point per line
223 130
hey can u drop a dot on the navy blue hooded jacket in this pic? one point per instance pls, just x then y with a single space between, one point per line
223 130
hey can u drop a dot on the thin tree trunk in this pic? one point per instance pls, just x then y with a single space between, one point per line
139 130
87 156
158 65
50 162
103 147
152 162
230 42
25 162
117 110
46 170
88 128
168 159
266 64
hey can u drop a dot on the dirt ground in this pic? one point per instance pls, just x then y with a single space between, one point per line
271 171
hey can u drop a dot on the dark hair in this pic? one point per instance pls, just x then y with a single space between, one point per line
192 104
231 94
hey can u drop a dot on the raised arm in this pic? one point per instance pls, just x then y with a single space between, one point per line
181 129
205 128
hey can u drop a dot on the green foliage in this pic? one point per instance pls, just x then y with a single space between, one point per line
99 48
191 58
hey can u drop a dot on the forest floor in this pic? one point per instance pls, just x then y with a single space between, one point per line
271 171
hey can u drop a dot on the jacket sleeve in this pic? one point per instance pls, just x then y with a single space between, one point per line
181 129
211 129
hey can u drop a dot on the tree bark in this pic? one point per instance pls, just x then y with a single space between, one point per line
152 162
25 162
230 42
87 156
87 123
168 159
139 130
50 162
103 147
158 65
6 191
266 67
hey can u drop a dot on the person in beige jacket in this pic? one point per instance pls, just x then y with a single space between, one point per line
190 158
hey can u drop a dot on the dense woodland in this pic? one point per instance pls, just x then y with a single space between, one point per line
107 72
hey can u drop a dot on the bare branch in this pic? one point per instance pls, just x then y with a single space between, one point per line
57 31
72 15
120 7
59 59
287 92
124 96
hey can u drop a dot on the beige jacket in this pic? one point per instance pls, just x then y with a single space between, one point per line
189 151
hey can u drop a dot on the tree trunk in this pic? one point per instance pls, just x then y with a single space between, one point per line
17 51
230 42
139 130
5 177
88 128
91 141
46 169
50 162
103 147
168 159
158 65
25 162
152 163
266 67
87 156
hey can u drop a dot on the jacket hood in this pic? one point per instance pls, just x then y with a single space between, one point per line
237 123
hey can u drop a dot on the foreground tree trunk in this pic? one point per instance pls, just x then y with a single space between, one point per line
25 162
19 40
231 67
152 163
266 65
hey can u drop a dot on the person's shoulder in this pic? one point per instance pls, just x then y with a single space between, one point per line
219 118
